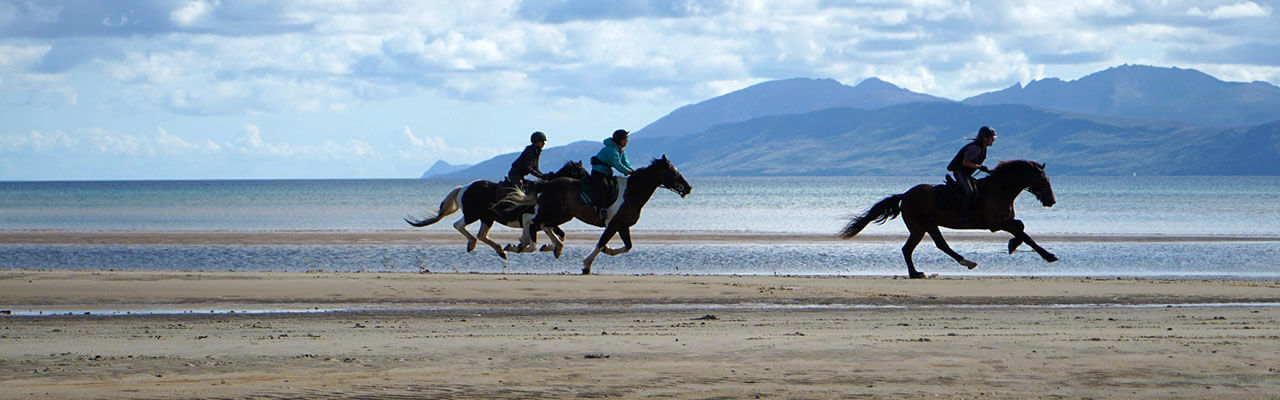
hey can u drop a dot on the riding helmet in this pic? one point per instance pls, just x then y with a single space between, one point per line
538 136
986 131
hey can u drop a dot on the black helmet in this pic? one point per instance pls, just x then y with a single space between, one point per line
620 134
538 136
985 132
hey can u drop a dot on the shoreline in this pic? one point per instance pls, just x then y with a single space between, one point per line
441 237
408 291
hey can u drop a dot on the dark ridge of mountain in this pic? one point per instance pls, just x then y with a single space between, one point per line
441 168
920 138
787 96
1151 93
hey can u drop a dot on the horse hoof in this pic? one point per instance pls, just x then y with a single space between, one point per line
1013 245
968 264
503 255
586 271
509 247
917 275
1051 258
471 246
546 248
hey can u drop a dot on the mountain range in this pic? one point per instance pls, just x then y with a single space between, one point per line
1120 121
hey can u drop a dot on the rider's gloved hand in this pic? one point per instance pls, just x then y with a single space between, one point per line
984 168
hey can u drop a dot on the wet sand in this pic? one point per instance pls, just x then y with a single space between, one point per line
506 235
406 335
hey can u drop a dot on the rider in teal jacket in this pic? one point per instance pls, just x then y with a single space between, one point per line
609 158
612 156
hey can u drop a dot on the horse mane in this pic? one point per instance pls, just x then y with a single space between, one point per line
1014 166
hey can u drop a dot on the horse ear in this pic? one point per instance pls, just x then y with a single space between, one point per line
664 157
1041 165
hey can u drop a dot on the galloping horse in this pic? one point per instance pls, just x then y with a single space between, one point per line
921 213
558 203
477 201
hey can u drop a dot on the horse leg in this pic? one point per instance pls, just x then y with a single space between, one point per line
560 233
625 234
461 226
483 235
907 249
600 245
1014 243
1018 229
555 240
942 245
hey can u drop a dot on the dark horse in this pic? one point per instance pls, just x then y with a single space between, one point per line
922 213
477 201
558 203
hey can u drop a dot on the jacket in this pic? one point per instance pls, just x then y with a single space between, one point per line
609 158
958 166
527 163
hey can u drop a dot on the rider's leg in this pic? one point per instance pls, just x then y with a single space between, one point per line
966 183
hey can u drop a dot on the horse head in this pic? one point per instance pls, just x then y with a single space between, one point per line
670 176
571 169
1031 176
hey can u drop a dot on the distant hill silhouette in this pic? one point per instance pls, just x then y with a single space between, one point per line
1121 121
787 96
1152 93
441 168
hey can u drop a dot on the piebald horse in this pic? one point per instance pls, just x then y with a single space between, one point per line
477 199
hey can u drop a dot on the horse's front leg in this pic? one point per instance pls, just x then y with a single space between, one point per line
609 231
625 234
1018 229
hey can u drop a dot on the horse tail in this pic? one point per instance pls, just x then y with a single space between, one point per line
448 206
517 199
885 210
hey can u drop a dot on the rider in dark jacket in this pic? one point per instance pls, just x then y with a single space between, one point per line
527 163
969 160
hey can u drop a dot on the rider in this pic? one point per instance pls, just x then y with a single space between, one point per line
609 158
527 163
969 160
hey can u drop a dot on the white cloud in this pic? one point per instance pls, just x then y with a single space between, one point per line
36 141
191 13
427 147
1238 10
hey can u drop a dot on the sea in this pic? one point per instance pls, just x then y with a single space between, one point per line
1118 225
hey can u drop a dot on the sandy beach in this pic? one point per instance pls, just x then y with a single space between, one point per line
406 335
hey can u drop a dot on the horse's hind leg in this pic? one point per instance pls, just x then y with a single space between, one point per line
942 245
484 237
600 245
1018 229
559 233
907 249
555 240
461 226
625 235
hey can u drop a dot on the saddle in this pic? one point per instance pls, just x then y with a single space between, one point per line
589 193
948 196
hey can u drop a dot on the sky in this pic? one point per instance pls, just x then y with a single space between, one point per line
208 89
